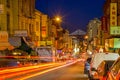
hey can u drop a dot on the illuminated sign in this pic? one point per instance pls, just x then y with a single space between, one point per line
44 26
43 31
104 23
115 30
116 42
49 42
113 14
43 43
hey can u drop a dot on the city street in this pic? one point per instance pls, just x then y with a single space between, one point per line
59 39
72 72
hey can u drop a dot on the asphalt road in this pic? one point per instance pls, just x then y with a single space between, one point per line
72 72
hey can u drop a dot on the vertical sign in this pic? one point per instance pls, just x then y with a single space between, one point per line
44 26
114 29
113 14
104 24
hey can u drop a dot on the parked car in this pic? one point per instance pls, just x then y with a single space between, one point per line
103 69
97 59
114 72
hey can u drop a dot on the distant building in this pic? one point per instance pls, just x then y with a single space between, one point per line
78 39
93 32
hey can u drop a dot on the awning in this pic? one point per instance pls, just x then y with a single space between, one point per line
15 41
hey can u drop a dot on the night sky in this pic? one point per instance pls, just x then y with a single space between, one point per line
75 13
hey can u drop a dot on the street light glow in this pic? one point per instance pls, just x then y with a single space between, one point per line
58 19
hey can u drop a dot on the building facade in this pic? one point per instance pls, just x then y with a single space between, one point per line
112 14
17 18
8 15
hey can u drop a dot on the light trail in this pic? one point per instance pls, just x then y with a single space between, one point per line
25 68
39 73
9 73
23 72
26 57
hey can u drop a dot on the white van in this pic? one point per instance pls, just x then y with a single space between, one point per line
98 58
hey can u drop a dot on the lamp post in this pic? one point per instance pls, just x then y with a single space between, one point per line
56 24
58 21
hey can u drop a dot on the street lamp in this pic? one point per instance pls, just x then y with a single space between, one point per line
86 37
58 19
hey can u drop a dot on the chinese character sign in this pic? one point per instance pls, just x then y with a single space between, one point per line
113 14
104 23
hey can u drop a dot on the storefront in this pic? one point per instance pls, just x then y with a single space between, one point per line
4 43
114 44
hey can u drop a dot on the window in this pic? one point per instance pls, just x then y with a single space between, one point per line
37 26
8 21
8 3
30 29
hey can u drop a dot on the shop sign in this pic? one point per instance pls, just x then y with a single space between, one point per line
21 33
116 42
42 43
115 30
49 42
